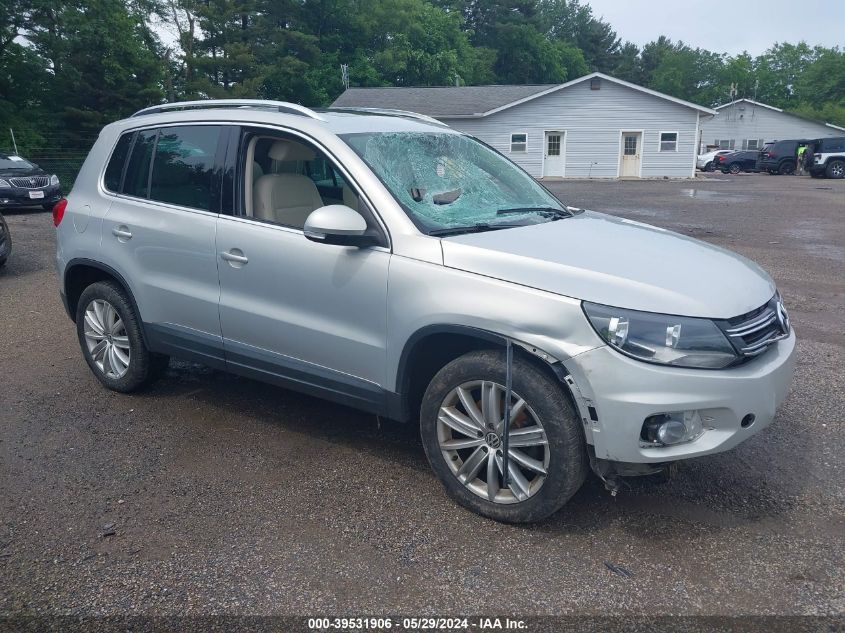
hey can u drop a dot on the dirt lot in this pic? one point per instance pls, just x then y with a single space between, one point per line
228 496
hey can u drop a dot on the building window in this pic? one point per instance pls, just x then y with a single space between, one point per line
725 144
752 143
668 141
519 143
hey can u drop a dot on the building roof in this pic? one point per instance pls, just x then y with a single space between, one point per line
474 102
765 105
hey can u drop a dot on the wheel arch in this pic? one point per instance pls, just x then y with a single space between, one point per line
432 347
81 273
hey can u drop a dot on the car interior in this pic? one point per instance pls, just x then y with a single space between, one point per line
290 180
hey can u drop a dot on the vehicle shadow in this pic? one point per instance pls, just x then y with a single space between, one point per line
718 492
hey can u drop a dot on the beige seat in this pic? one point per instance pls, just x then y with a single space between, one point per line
286 198
349 198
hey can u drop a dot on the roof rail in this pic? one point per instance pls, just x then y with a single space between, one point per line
391 112
281 106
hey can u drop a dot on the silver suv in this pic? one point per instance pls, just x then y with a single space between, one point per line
385 261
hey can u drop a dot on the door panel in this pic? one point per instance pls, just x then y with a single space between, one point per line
170 260
160 235
631 154
306 308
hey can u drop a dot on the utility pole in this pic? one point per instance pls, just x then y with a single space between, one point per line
344 75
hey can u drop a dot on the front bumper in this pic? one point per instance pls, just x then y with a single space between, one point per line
624 392
19 197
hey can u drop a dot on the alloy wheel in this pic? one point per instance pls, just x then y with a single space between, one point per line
107 339
470 426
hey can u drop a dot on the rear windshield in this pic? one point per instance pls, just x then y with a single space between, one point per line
14 162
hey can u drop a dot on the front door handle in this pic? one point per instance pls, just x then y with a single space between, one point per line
122 233
235 257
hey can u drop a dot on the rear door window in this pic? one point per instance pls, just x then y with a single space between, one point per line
183 167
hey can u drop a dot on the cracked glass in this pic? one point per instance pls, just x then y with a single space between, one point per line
447 180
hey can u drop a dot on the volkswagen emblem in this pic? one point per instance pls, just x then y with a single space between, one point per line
492 440
783 317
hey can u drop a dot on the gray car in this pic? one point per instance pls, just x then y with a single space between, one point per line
388 262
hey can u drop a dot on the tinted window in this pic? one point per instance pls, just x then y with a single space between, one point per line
183 167
136 182
114 170
833 145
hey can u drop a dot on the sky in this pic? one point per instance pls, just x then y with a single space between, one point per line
731 26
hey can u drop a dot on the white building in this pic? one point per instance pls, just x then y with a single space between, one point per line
595 126
747 124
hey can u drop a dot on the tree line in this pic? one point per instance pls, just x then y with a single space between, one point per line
68 67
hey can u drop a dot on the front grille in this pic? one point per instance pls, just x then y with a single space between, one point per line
30 182
752 333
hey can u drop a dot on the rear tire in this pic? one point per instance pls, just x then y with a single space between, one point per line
786 168
546 431
836 169
110 336
735 169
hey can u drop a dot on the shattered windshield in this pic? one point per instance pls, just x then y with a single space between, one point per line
447 180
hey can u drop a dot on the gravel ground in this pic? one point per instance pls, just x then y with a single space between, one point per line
211 494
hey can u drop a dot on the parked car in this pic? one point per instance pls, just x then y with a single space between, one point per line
5 241
828 157
25 184
736 162
705 161
779 157
383 260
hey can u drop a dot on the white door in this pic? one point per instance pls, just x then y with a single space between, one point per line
631 154
553 159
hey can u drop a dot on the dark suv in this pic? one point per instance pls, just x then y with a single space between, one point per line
780 157
25 184
736 162
828 157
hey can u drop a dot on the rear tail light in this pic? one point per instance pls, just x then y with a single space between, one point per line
59 211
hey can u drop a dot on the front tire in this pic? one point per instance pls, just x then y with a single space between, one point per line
836 169
709 166
461 421
110 336
786 168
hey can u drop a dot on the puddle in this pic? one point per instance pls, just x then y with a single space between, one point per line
704 194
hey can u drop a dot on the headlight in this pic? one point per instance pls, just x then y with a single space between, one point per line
662 338
4 183
54 180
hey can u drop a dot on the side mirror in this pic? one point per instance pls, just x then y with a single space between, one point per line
338 224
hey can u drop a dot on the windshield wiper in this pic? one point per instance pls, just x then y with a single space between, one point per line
546 211
471 228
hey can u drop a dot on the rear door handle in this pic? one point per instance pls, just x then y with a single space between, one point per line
122 233
235 256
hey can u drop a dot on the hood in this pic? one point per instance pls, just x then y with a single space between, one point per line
22 173
617 262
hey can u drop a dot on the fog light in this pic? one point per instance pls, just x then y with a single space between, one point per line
671 432
674 427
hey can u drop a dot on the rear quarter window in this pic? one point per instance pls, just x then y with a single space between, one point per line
114 170
137 179
833 145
